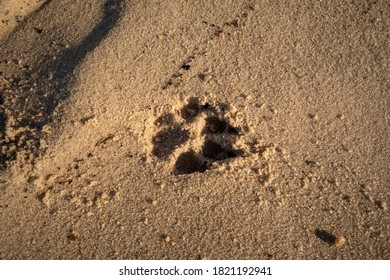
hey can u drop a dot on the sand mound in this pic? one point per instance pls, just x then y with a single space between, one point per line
195 130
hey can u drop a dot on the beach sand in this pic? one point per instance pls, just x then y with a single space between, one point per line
194 129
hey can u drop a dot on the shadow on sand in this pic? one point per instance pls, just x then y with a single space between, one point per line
33 103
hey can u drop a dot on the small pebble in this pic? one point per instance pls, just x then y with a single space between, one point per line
205 77
383 205
339 241
340 116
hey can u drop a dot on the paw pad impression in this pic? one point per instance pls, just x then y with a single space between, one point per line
195 137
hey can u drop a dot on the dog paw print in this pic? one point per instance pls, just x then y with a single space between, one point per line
195 137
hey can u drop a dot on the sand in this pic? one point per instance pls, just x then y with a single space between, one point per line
194 129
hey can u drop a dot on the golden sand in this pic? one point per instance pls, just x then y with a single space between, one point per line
194 129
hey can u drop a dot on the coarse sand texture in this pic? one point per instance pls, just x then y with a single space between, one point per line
194 129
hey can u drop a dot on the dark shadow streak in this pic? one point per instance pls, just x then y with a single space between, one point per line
63 68
41 102
71 58
325 236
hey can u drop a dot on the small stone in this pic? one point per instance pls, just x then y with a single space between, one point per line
382 205
46 129
273 110
205 77
305 182
340 116
339 241
154 202
72 237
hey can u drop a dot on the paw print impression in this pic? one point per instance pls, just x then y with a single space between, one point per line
195 137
